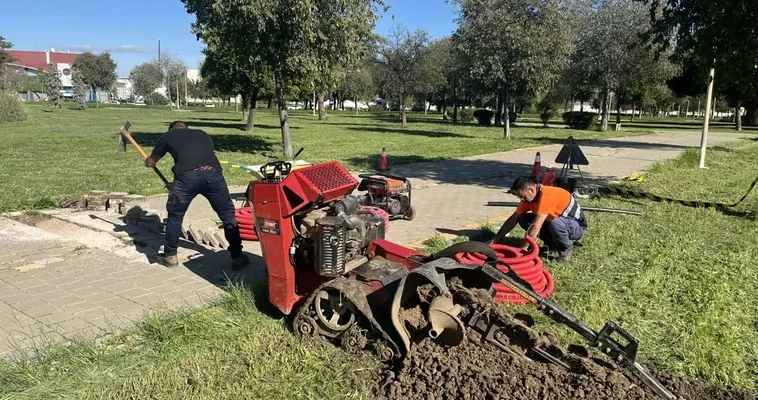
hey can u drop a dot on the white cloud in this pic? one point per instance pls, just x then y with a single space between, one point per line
124 48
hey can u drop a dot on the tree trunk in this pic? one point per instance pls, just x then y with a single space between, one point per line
283 120
455 104
97 98
618 115
244 105
177 94
270 101
738 117
751 115
506 115
356 104
251 110
499 106
444 106
605 111
634 106
321 108
402 113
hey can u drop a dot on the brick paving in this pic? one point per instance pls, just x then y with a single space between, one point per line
73 275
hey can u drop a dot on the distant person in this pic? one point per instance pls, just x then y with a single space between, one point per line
196 171
549 212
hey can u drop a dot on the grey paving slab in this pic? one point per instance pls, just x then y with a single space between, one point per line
84 279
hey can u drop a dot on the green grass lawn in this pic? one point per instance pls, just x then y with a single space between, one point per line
680 279
69 152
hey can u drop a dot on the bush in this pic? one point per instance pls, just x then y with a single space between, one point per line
546 115
156 98
465 115
484 117
376 108
580 120
12 109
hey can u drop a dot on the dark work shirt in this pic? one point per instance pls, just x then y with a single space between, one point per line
190 148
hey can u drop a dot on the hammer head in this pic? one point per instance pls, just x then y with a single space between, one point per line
121 141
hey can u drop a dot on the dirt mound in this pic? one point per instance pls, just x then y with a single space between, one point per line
482 370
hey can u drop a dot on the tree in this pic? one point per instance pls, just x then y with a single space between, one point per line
287 35
54 86
98 71
233 73
146 78
359 84
401 65
712 35
5 57
80 91
516 45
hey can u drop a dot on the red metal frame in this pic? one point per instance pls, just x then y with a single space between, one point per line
272 205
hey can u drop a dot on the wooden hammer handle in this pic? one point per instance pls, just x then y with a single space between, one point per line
134 143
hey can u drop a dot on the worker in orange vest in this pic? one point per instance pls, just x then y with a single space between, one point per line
548 212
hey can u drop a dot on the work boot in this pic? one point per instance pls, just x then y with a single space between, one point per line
565 258
168 261
240 262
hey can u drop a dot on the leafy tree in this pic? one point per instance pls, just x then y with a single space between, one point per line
287 35
359 84
400 65
146 78
233 73
5 57
173 71
54 86
98 71
516 45
80 91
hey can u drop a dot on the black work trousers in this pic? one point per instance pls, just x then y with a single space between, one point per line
211 184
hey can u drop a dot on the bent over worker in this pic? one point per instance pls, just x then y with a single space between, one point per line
196 171
548 212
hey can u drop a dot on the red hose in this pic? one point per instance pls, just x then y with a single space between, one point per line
244 217
528 266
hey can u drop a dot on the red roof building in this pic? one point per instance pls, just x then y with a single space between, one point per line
38 60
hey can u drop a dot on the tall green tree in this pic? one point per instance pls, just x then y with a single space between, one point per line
146 78
516 45
54 86
400 65
359 84
80 91
612 57
98 71
233 73
287 35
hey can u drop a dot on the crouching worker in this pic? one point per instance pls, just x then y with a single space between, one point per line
549 212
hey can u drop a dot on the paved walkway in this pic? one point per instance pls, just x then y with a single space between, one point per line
64 274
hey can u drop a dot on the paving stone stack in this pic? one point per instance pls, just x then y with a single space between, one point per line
97 200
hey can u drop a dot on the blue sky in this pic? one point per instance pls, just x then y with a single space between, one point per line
130 29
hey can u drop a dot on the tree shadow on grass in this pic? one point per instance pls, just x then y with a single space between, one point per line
625 144
221 142
403 131
237 125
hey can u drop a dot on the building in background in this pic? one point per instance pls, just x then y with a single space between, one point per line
31 62
124 89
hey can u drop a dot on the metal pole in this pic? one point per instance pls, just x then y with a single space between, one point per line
706 121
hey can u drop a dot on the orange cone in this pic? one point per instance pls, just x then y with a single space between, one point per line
537 168
383 165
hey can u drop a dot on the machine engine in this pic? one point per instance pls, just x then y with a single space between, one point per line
333 240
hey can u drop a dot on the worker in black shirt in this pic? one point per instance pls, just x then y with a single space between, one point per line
196 171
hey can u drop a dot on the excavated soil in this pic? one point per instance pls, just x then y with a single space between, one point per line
484 371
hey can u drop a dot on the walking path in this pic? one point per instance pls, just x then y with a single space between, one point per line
64 273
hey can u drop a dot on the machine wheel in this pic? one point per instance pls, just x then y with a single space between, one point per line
335 312
305 326
353 341
384 352
410 214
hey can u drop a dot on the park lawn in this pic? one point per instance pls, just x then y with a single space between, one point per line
68 152
680 279
683 280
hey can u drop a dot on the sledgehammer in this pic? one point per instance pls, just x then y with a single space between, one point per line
125 134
